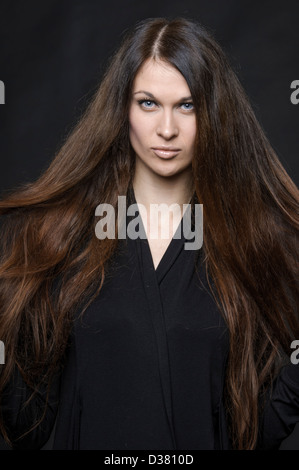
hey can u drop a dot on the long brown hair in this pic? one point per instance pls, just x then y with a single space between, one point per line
52 263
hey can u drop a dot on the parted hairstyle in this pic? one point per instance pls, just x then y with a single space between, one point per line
250 238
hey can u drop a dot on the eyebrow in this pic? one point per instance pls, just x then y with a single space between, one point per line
185 98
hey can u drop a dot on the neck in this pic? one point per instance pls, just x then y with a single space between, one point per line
155 189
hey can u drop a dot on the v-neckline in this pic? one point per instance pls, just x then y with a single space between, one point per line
172 251
169 256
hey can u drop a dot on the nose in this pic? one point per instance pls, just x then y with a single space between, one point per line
166 126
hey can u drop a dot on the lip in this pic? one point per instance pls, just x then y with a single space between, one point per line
166 152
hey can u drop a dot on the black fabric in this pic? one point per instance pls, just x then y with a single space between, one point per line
146 364
19 419
146 360
282 409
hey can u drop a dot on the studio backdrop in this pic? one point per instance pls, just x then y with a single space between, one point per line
54 53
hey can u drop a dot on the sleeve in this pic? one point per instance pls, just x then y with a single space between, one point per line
281 412
19 417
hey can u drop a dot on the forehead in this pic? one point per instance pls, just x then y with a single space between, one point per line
157 76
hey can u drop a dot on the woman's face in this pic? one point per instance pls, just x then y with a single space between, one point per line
162 120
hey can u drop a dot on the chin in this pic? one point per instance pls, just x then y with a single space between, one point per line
170 171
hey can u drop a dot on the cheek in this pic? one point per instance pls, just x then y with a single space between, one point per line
134 136
138 132
190 135
133 131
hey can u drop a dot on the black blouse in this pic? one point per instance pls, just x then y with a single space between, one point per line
147 359
146 364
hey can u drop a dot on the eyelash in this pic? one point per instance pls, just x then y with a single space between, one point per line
152 101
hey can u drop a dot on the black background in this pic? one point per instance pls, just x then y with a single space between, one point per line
53 54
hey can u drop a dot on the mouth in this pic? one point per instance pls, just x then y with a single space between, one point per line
166 152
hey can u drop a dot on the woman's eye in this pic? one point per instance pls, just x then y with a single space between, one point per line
187 106
146 103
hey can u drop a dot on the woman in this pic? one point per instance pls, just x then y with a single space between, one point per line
145 344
